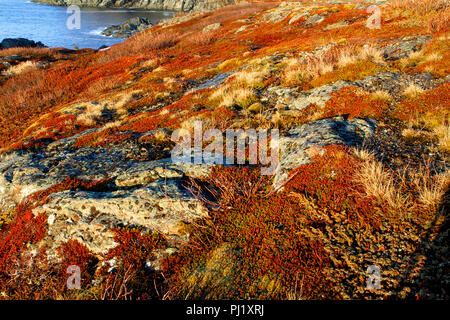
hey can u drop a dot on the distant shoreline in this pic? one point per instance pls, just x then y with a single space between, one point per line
171 5
52 30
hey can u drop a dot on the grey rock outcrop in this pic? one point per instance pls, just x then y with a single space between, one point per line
405 47
304 142
299 100
393 83
148 194
163 206
211 27
128 28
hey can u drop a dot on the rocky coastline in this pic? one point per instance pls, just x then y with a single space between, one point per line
176 5
20 42
127 28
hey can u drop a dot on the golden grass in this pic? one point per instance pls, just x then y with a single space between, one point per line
21 68
112 124
345 58
91 116
239 88
381 95
443 134
30 52
412 91
304 69
411 134
371 53
150 63
246 78
431 189
363 154
433 14
420 7
229 96
379 183
418 58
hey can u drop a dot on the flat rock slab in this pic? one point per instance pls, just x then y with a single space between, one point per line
163 206
304 142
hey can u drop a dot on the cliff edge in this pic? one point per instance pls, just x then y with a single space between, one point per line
177 5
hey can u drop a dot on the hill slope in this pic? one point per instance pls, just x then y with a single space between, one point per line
86 176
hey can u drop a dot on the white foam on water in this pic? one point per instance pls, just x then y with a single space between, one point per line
97 32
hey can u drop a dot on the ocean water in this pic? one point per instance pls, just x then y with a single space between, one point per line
38 22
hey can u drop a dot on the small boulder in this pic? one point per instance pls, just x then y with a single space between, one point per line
297 17
314 20
212 27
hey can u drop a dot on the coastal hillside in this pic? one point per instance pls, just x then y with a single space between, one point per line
357 207
178 5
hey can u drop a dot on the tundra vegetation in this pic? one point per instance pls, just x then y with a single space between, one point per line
382 202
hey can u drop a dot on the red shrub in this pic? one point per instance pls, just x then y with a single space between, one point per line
102 138
354 102
277 239
132 278
135 247
430 107
74 253
27 228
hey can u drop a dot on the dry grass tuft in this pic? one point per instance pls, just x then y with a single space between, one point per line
412 91
230 96
21 68
411 134
249 78
371 53
113 124
381 95
443 134
91 116
363 154
380 184
239 89
304 69
431 189
150 63
345 58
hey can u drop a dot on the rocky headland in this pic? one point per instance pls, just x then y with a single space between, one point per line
20 42
177 5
